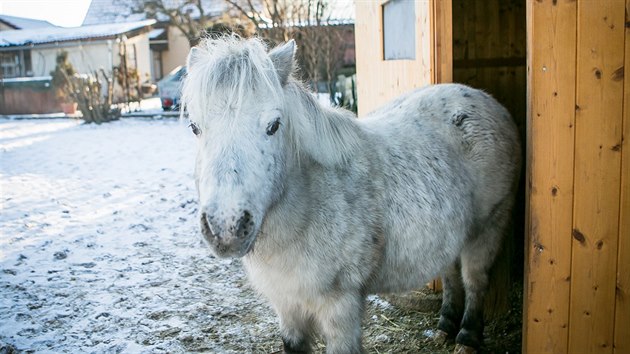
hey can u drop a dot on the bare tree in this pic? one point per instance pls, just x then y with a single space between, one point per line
191 17
308 22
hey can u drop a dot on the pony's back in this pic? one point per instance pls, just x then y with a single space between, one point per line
473 123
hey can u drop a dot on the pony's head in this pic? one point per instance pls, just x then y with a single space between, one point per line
233 93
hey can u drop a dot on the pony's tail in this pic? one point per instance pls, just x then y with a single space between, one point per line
497 300
506 273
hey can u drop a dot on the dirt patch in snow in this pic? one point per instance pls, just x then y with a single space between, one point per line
99 252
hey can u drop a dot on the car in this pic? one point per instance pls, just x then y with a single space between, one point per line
170 90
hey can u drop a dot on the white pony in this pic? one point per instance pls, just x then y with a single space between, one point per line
325 208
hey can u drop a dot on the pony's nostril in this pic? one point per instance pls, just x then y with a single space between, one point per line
206 227
245 224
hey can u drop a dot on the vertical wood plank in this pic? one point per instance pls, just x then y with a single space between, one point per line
597 175
622 308
552 29
442 54
443 47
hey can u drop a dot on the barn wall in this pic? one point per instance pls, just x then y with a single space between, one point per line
489 50
379 80
577 289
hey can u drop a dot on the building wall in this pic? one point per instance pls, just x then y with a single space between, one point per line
577 278
379 80
86 57
177 52
142 61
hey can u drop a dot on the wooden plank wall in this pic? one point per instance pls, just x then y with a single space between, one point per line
489 50
577 248
379 80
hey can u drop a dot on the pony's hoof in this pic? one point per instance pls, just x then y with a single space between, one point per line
464 349
440 337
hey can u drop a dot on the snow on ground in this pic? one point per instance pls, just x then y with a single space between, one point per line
99 248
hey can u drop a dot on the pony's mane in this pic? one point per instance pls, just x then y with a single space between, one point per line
228 67
329 135
224 69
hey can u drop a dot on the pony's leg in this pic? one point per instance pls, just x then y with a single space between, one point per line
475 275
477 258
340 323
296 330
452 301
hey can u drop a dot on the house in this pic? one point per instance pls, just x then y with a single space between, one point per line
9 62
31 53
168 45
558 66
90 48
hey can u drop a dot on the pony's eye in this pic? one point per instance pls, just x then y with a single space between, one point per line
272 128
194 128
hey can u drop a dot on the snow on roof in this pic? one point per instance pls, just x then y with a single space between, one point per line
25 23
108 11
60 34
155 33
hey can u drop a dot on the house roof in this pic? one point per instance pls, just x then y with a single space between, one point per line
24 23
156 33
61 34
108 11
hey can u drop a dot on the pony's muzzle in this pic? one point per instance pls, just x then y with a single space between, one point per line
231 237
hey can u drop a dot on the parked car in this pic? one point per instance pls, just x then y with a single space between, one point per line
170 89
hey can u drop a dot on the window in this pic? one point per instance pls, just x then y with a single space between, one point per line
10 64
15 63
399 30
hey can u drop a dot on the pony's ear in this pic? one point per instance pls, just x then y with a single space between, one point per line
194 56
282 58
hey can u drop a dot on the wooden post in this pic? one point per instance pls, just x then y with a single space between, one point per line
442 47
600 54
552 36
621 342
577 238
442 54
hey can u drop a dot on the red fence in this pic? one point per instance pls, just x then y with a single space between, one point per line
32 95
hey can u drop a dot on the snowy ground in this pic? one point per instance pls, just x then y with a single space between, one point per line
99 250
